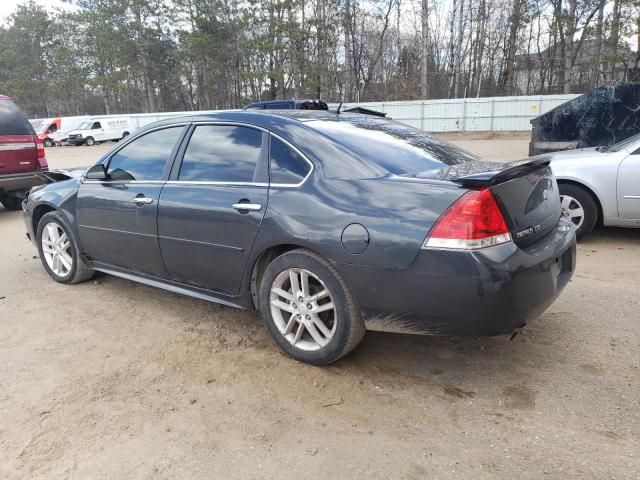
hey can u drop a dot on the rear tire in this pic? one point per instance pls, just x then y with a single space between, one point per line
61 259
11 203
89 141
581 207
313 329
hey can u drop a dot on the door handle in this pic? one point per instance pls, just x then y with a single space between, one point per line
252 207
142 200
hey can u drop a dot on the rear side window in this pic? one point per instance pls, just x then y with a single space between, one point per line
396 147
287 166
222 153
12 120
145 157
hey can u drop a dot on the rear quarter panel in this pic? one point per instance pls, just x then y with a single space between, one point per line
396 213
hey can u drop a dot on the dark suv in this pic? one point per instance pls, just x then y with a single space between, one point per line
22 158
288 105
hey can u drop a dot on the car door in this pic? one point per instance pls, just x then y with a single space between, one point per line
629 186
97 132
211 209
117 218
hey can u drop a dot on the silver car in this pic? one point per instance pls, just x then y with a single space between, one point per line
601 185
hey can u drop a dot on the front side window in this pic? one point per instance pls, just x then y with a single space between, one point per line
145 157
96 126
222 153
287 166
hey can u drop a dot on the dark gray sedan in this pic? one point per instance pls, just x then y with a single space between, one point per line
328 224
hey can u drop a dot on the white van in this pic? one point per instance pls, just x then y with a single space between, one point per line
101 129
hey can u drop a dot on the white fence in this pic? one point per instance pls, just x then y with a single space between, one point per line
486 114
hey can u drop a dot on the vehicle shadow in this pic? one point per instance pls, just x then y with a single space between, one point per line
611 234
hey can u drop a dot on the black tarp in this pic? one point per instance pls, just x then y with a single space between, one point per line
602 116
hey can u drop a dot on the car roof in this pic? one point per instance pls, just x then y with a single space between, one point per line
262 118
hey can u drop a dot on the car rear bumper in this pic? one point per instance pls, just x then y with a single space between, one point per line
491 291
21 182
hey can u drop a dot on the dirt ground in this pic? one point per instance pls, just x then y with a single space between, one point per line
114 380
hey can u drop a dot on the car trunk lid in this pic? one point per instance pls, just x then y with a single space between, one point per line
528 196
526 192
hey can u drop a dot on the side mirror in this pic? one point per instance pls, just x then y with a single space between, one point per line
97 172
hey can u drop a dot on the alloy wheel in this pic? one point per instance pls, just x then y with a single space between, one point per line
303 309
574 209
56 248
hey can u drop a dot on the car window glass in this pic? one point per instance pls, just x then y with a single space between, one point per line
278 106
96 125
396 147
12 120
221 153
145 157
287 165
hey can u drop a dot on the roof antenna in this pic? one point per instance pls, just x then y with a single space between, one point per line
339 107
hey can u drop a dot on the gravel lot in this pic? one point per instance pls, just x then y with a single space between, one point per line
111 379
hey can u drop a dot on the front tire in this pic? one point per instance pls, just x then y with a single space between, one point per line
309 309
89 141
59 252
47 142
580 206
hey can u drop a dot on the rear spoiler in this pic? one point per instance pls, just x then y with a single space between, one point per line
512 170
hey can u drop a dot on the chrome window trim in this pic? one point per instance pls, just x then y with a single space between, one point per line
257 127
134 136
230 184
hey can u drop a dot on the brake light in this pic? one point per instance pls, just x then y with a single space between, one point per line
473 221
42 158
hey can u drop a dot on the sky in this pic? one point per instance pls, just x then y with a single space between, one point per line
7 7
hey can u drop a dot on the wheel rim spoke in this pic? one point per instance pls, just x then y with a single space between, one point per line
290 324
284 294
295 286
66 261
282 306
304 283
576 212
319 296
315 334
321 326
324 308
299 333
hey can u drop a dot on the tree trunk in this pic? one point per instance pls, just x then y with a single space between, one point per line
569 45
594 81
424 79
614 39
458 71
512 46
348 74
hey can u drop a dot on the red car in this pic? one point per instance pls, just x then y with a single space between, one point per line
22 158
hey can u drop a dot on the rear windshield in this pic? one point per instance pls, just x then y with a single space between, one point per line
396 147
12 120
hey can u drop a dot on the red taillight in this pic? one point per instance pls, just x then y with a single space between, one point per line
473 221
42 158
